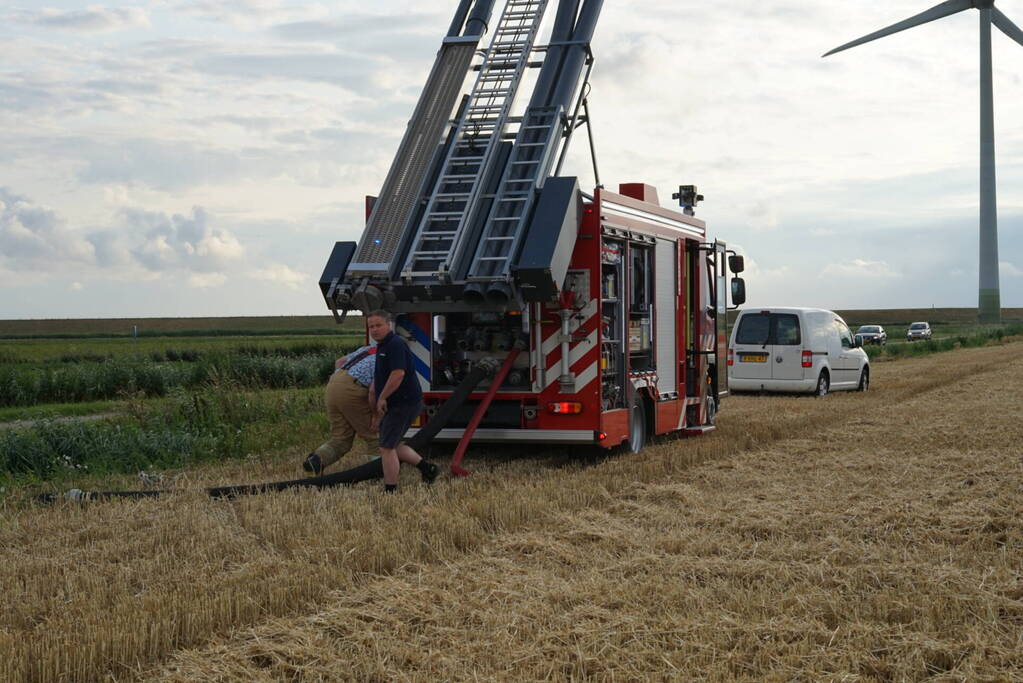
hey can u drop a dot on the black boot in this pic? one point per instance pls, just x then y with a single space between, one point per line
428 470
313 465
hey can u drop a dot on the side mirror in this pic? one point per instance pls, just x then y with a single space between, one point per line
736 263
738 290
857 341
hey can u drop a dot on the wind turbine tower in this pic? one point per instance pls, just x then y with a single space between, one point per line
989 299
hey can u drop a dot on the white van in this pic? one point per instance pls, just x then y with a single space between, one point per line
795 349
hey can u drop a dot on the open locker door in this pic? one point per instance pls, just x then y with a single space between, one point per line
721 317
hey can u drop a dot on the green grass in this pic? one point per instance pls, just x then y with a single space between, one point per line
47 350
220 421
123 327
76 382
978 335
57 410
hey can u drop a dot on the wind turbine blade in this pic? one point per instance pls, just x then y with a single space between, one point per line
1008 28
937 12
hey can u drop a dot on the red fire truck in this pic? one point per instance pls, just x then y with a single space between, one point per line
537 312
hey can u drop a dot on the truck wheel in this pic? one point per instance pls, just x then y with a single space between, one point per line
712 410
823 384
637 429
864 380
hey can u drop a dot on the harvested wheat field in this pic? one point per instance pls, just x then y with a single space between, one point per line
864 536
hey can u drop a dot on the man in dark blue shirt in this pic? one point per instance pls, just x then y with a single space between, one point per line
397 399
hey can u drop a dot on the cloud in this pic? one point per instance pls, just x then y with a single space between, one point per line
206 280
1009 270
350 71
177 241
33 235
35 238
859 268
358 26
282 274
93 19
248 15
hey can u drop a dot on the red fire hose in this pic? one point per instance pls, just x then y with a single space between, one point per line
477 416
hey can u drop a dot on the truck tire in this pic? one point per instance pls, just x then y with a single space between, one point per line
823 384
637 426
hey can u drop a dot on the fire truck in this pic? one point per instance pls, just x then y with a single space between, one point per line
537 312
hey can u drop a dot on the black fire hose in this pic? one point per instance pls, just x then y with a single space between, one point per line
373 469
424 436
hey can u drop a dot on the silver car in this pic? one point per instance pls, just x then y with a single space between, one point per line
918 331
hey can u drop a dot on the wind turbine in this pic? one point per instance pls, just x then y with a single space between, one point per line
989 299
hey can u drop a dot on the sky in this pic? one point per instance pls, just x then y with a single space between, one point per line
201 157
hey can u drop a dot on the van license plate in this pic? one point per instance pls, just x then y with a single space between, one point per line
753 357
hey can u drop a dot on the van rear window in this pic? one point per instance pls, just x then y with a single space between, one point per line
769 328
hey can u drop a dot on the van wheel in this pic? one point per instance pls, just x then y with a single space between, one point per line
823 384
864 380
637 430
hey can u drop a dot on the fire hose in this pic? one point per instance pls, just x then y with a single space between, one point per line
366 472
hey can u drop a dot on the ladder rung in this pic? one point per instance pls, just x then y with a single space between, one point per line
505 219
500 239
438 214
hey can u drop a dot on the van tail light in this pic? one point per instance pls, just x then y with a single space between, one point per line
565 408
807 359
731 356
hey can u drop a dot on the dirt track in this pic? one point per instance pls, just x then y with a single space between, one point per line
871 536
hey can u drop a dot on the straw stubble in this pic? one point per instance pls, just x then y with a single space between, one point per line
871 536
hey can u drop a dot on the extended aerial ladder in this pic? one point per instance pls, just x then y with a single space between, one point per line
455 209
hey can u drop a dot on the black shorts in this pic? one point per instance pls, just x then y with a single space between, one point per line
396 422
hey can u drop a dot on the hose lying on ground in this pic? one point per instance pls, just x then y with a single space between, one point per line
373 469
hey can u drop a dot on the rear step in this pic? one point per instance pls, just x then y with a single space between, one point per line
694 431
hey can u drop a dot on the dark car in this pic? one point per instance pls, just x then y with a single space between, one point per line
873 334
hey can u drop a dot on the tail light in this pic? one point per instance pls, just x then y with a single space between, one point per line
565 408
731 356
807 359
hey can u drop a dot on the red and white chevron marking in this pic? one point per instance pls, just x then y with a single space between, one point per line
584 354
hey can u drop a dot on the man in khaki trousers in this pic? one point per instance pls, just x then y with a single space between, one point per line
348 410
